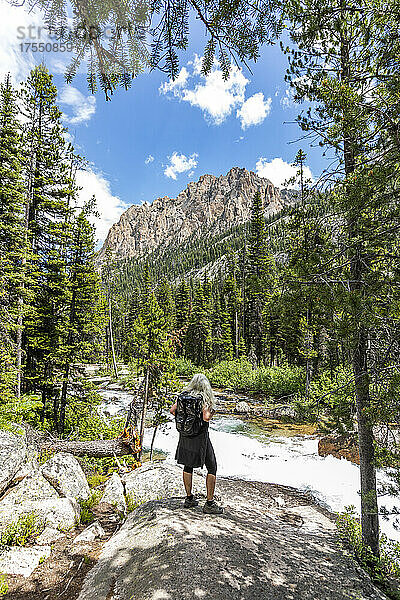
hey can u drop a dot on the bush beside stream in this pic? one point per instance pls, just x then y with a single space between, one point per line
329 393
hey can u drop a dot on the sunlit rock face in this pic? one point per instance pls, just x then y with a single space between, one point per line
208 206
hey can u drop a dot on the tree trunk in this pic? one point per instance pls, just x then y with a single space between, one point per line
95 448
236 335
63 400
112 339
359 355
19 346
152 442
20 319
369 502
144 410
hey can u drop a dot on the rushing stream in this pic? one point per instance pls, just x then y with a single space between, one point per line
247 450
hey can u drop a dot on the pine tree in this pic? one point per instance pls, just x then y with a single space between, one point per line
48 184
198 341
233 300
183 308
340 57
166 302
85 315
13 243
259 277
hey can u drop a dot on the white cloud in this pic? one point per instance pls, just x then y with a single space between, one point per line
109 207
83 107
149 159
216 97
179 163
254 110
278 171
17 27
177 84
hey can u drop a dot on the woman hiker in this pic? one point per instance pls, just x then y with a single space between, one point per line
196 450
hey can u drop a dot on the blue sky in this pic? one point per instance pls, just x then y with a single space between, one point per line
153 139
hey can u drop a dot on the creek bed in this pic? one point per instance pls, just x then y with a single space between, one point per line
269 451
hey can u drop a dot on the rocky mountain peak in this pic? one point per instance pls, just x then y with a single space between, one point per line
209 206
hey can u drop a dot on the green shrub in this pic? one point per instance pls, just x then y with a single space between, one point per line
87 516
332 396
280 381
19 532
235 374
3 585
27 409
185 367
239 374
96 479
131 503
382 568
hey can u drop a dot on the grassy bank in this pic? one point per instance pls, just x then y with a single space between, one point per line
329 395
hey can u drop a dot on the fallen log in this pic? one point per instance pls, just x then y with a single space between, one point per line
94 448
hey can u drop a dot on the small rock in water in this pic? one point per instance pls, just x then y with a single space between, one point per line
114 386
242 408
23 561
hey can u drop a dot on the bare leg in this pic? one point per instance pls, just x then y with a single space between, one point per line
187 482
210 483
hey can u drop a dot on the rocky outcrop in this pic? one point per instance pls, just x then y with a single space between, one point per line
85 539
340 446
114 493
209 206
13 450
50 494
22 561
59 513
272 542
89 534
31 488
49 535
65 474
158 481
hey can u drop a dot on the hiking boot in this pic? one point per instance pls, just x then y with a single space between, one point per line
190 502
212 509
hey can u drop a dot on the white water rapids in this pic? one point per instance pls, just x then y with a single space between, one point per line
247 451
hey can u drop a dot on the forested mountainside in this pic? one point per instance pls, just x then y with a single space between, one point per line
207 207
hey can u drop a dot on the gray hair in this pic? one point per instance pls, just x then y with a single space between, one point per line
201 385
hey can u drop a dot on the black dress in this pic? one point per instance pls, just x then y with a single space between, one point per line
191 451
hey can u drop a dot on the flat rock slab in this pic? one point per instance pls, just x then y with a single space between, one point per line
155 481
272 543
22 561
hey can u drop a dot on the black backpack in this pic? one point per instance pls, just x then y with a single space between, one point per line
189 414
